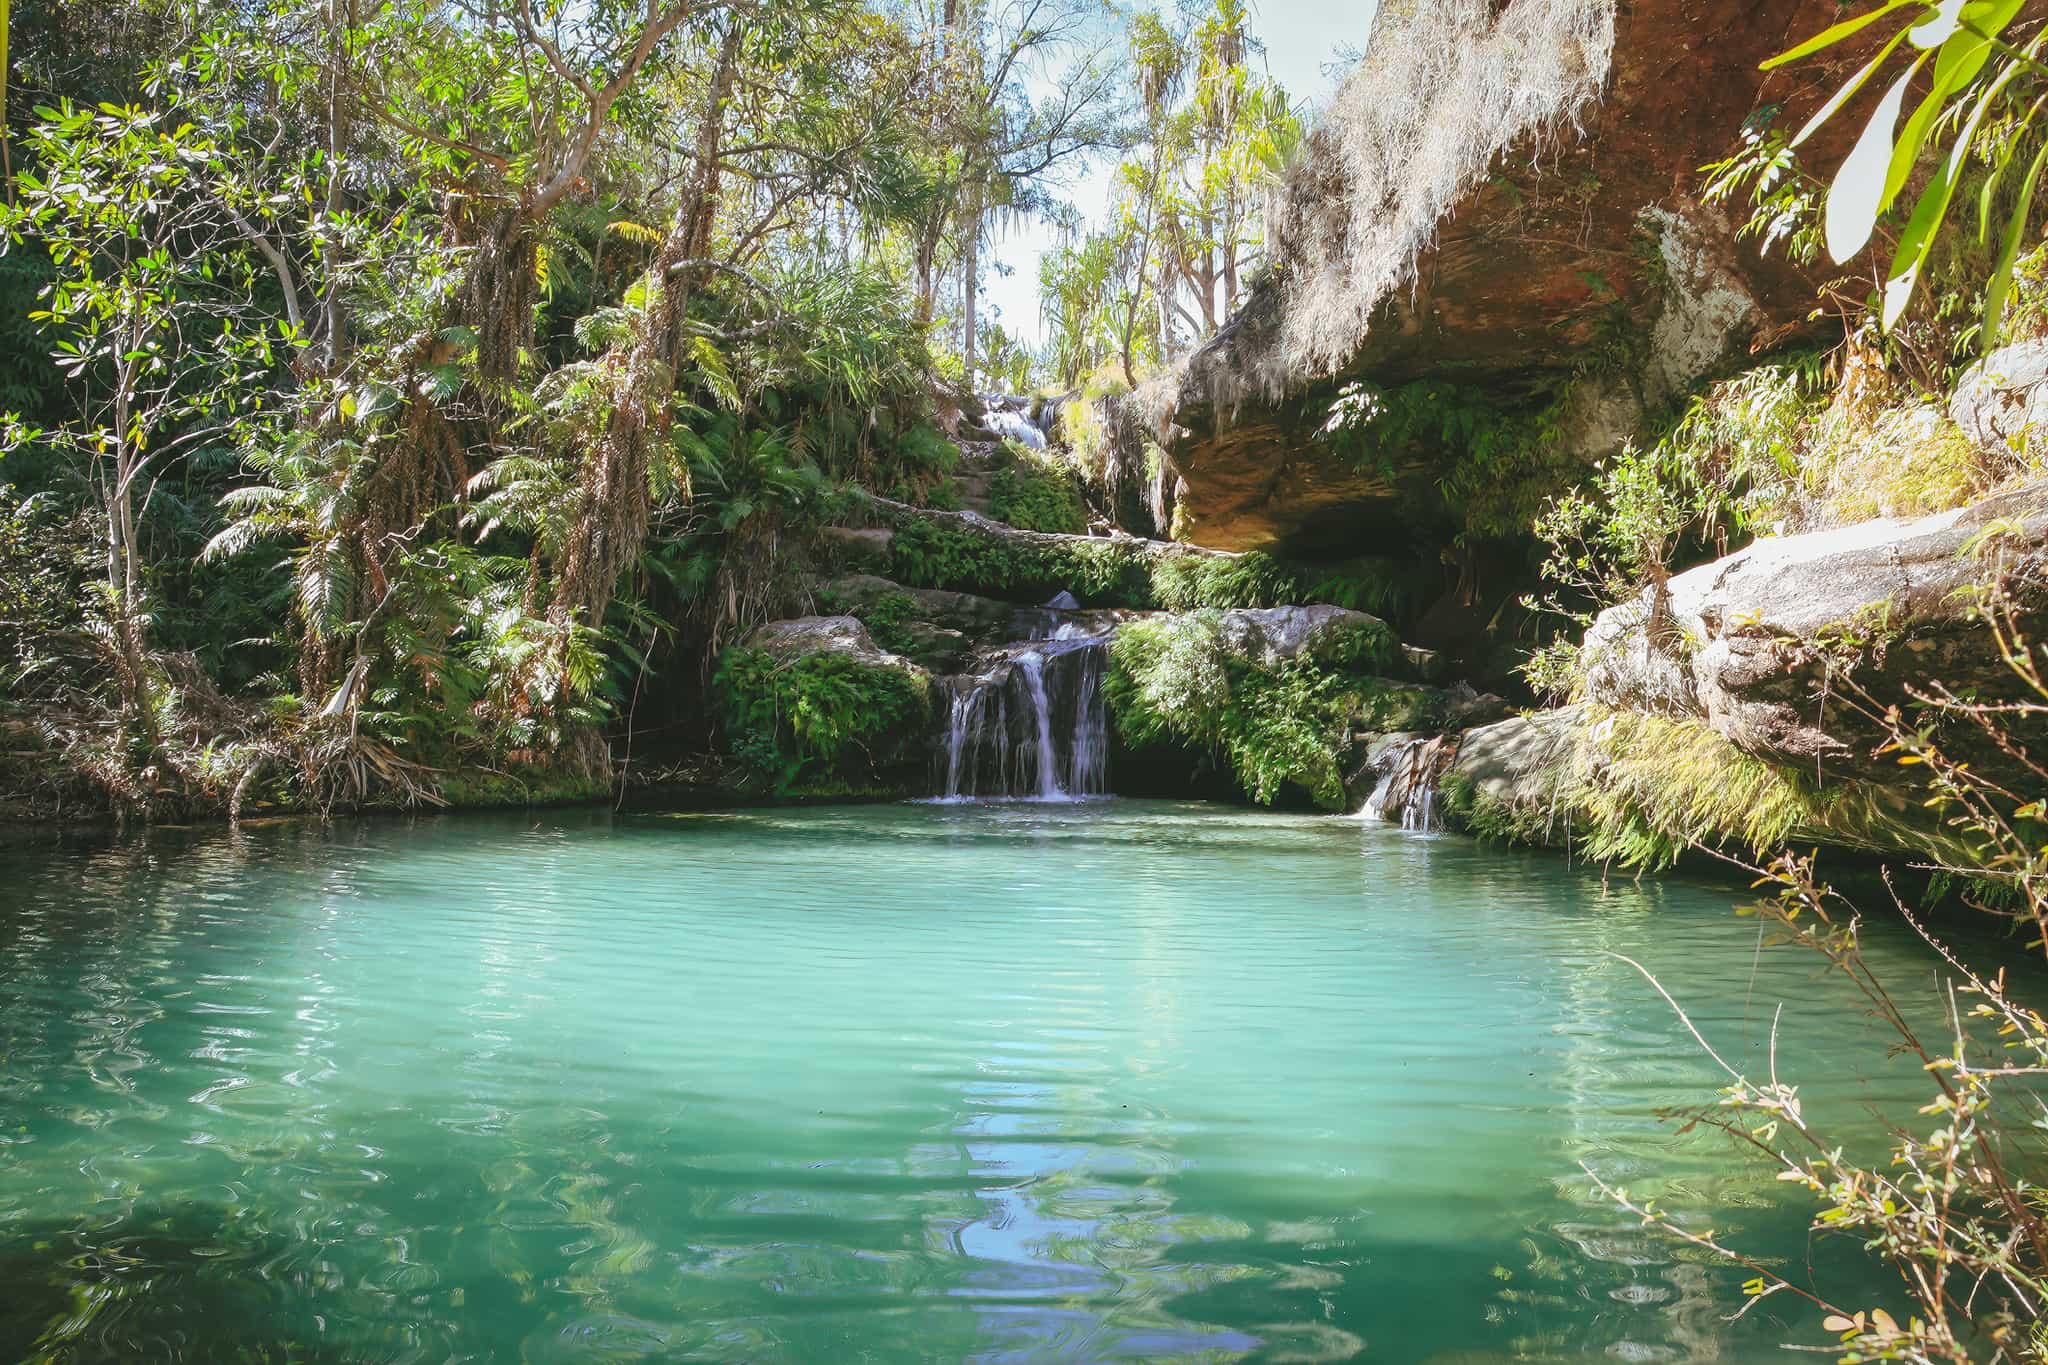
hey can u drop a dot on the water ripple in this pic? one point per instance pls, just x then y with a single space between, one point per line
1027 1082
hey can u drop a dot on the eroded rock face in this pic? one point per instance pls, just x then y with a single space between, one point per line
1273 635
2003 398
1580 235
845 635
1783 646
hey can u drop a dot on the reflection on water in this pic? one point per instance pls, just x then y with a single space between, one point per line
1128 1081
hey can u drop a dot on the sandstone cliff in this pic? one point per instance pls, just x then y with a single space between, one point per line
1500 203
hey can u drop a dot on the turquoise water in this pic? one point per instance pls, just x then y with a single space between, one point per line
1116 1081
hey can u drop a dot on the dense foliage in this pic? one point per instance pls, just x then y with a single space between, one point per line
434 376
822 723
1276 723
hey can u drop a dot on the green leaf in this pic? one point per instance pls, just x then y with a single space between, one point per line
1857 195
1848 90
1965 53
1907 151
1955 66
2000 283
1828 37
1918 239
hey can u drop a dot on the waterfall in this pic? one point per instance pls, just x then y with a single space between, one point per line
1408 769
1031 723
1015 426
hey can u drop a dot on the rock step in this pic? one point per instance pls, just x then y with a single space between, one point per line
975 490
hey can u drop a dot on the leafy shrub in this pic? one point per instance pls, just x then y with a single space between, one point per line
1176 680
929 553
1249 580
888 618
819 719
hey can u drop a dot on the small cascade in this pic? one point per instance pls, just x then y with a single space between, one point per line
1408 769
1015 426
1030 723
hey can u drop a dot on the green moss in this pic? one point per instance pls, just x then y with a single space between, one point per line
533 786
820 719
1640 790
1650 788
1036 492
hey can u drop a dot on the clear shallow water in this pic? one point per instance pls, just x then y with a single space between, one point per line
1116 1081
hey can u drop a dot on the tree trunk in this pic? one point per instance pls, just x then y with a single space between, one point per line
124 574
610 517
970 263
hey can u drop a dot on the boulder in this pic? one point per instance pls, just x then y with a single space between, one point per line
2002 397
1273 635
860 548
1786 647
805 635
1515 775
983 620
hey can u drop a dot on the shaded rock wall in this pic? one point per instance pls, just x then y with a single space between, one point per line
1500 195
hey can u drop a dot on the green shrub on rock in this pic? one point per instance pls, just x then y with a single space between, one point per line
822 722
929 553
1247 580
1180 679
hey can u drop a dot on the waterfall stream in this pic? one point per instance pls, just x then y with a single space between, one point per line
1030 723
1406 790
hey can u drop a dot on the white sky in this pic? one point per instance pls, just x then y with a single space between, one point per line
1301 37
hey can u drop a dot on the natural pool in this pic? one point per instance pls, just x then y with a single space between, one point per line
1104 1081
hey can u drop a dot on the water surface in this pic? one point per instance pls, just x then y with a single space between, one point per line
1098 1082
